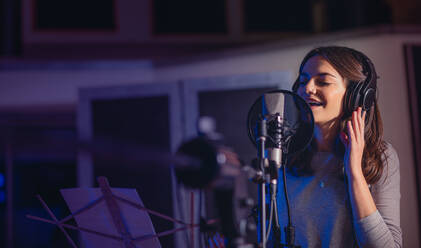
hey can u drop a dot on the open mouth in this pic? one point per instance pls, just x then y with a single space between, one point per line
313 103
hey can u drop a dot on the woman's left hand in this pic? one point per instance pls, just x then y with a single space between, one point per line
362 202
354 142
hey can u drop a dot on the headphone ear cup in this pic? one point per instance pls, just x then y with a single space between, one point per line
367 93
356 96
349 100
369 99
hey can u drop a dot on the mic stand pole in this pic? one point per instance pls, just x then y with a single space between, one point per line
261 142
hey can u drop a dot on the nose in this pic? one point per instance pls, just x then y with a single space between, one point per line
309 87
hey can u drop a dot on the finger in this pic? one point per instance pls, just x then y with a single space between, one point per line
364 117
360 134
355 124
363 123
360 123
351 134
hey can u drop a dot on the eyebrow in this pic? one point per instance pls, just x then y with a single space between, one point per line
319 74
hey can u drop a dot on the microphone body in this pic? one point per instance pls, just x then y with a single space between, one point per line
273 105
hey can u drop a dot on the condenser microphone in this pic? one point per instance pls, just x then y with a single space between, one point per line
273 105
289 123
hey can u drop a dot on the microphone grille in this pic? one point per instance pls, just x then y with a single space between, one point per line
273 102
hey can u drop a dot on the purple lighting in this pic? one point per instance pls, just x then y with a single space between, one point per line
1 180
2 196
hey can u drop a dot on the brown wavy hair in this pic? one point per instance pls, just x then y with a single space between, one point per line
347 62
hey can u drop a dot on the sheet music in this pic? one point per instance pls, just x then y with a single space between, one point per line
99 219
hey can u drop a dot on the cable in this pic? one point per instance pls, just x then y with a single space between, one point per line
273 210
276 215
284 179
289 229
270 219
286 194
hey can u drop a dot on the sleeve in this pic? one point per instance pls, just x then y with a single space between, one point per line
382 228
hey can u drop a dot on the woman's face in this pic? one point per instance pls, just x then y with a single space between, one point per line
323 88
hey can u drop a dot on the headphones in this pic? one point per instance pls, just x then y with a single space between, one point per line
363 93
359 93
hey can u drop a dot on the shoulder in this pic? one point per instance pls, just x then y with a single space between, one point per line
391 159
390 175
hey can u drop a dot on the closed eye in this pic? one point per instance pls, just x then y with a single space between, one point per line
322 83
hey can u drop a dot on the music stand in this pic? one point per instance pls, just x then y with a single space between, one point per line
103 221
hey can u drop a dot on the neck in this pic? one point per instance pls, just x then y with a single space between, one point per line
325 135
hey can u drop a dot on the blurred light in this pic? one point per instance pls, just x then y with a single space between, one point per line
2 196
1 180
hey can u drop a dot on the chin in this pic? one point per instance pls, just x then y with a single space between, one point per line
317 118
318 123
322 122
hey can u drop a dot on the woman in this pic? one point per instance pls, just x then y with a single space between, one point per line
344 189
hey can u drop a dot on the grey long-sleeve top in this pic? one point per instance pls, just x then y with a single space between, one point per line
321 212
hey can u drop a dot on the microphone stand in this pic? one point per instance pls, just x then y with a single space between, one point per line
266 167
281 140
273 110
262 161
275 161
